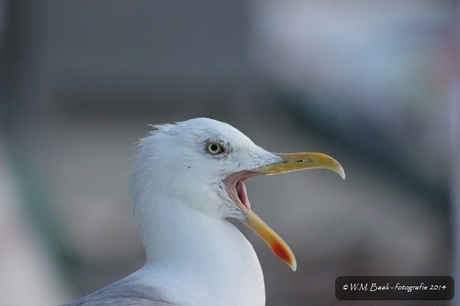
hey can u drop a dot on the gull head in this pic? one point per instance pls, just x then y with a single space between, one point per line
204 163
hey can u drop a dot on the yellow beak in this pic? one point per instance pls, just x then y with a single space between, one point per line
301 161
291 162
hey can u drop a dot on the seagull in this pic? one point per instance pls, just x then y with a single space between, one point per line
188 178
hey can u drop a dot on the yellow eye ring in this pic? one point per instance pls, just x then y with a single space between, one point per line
215 148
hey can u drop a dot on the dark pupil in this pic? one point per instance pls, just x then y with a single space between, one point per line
214 147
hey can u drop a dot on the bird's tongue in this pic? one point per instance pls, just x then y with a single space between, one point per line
243 194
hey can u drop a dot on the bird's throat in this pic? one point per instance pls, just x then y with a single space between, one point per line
206 252
243 193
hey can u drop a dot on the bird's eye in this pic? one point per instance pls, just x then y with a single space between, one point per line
215 148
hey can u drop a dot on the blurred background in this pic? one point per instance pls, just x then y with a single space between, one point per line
373 84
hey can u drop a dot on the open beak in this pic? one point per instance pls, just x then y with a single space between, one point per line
289 162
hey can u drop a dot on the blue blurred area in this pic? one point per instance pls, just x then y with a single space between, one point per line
370 83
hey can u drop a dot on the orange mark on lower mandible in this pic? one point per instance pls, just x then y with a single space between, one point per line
282 252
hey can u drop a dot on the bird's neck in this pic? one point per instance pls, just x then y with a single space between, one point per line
205 260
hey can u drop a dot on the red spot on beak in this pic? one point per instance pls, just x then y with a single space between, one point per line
282 252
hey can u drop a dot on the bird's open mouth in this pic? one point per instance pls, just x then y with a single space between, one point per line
289 162
236 188
237 191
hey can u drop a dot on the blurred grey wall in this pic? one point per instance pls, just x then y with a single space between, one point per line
371 84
